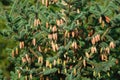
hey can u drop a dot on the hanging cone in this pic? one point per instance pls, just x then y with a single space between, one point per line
74 72
56 47
102 57
26 78
50 65
100 19
93 66
39 49
27 57
73 34
93 49
61 21
58 71
54 63
55 1
41 77
23 60
101 50
105 57
53 46
64 55
54 29
107 49
103 24
29 60
50 36
47 25
77 22
36 22
76 46
94 73
65 70
58 61
54 36
80 58
19 74
40 59
84 63
13 53
66 33
64 63
97 38
99 74
20 45
47 78
47 63
34 41
117 61
31 76
112 44
16 51
78 11
107 19
71 67
23 44
93 41
43 2
87 55
58 22
47 3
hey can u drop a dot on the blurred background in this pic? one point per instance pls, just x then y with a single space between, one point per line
5 66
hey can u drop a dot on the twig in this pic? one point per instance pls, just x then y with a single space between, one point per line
105 32
33 53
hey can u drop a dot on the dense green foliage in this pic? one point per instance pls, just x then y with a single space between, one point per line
64 39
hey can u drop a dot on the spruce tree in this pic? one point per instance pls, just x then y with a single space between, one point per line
63 39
